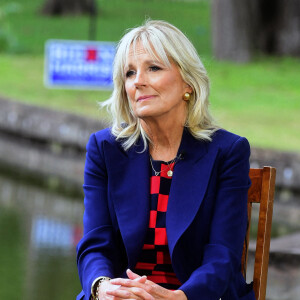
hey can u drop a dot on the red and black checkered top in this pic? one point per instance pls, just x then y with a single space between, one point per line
155 261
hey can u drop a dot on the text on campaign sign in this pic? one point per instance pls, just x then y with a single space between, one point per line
79 64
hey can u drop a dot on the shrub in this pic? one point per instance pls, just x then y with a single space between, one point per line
8 41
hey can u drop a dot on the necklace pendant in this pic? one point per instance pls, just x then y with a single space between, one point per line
156 173
170 173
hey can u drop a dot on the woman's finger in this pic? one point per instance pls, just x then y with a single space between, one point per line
125 282
141 279
132 275
122 294
135 293
105 286
138 282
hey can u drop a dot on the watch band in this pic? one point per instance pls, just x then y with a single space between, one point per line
96 284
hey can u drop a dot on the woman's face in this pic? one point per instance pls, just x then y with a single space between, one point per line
153 89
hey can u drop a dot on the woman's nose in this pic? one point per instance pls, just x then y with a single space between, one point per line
140 79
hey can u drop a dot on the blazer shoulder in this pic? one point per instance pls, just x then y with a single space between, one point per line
225 140
106 143
104 135
104 138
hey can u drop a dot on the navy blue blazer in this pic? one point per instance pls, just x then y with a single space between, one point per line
205 221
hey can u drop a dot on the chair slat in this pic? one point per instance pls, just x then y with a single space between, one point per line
261 192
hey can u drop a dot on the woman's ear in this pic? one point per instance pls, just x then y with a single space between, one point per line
189 89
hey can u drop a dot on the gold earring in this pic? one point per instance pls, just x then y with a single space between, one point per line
186 96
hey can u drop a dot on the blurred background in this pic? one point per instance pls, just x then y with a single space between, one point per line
251 49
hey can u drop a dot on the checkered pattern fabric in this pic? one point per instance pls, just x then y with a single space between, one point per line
155 261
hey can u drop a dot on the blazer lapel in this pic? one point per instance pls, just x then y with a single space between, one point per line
130 189
189 184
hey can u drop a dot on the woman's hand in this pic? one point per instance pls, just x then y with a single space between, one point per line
106 287
138 288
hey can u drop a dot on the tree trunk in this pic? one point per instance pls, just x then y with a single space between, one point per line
69 7
241 27
232 30
280 27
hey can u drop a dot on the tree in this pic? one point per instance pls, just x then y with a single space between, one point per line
279 27
244 27
8 41
231 30
70 7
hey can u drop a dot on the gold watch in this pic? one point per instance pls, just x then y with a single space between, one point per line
95 285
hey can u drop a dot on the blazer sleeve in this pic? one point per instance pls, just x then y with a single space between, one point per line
95 250
222 254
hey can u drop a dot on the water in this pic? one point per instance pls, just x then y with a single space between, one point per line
39 230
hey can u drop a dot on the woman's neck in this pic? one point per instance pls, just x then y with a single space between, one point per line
165 139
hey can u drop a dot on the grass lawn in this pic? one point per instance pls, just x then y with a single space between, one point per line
259 100
115 16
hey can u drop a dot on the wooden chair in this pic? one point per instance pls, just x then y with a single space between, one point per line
261 192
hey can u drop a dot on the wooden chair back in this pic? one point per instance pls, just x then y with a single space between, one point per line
261 192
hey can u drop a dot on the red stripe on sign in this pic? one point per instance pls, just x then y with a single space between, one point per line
91 54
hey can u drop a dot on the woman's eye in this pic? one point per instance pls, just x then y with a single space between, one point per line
129 73
155 68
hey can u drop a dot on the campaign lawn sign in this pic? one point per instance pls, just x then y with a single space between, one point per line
79 64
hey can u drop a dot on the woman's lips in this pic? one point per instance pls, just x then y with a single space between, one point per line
146 97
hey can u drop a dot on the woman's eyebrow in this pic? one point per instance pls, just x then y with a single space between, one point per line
153 61
146 62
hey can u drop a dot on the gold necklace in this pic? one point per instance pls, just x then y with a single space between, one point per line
170 172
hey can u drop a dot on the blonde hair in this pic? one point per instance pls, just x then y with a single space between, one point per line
169 43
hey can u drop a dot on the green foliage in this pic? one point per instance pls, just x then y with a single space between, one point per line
8 40
259 100
114 17
12 255
56 276
30 273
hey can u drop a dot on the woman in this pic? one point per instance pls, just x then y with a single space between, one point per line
165 189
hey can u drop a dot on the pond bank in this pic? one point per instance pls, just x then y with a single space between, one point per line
49 142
